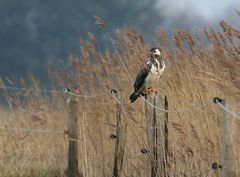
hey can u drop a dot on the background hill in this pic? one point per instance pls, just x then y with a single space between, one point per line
33 33
33 142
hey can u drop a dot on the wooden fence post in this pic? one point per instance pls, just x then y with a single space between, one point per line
165 137
229 168
224 128
72 137
150 113
157 135
120 134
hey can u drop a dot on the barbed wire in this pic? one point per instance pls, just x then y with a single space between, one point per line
85 95
199 106
32 130
194 107
114 96
63 91
59 132
234 114
30 90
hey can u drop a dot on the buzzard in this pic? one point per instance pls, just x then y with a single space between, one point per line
149 74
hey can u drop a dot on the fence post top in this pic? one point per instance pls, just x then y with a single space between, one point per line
218 100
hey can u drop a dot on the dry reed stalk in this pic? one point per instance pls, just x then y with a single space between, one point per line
191 78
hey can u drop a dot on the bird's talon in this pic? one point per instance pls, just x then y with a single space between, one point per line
149 75
151 90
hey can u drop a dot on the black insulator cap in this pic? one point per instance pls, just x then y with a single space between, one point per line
66 90
112 136
217 99
216 166
113 91
65 132
144 151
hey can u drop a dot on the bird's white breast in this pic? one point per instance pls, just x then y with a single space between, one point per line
155 72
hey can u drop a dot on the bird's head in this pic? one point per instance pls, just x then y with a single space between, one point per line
155 53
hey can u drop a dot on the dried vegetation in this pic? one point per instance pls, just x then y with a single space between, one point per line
196 72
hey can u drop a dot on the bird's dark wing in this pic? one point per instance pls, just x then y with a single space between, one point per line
142 74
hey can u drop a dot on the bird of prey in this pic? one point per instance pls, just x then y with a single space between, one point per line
149 74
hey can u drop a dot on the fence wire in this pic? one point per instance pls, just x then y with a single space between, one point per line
199 106
234 114
32 130
63 91
59 132
113 95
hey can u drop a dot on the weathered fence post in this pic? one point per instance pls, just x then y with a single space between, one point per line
224 127
157 135
72 137
165 137
120 134
150 113
229 168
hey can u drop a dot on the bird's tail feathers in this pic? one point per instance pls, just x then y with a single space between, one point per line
134 96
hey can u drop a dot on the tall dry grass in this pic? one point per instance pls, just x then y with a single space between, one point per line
196 72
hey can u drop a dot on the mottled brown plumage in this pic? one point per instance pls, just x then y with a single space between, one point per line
149 74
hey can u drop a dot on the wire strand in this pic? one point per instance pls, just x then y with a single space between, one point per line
85 95
28 130
199 106
32 130
64 91
234 114
30 90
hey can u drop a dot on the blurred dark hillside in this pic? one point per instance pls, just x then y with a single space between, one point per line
34 32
